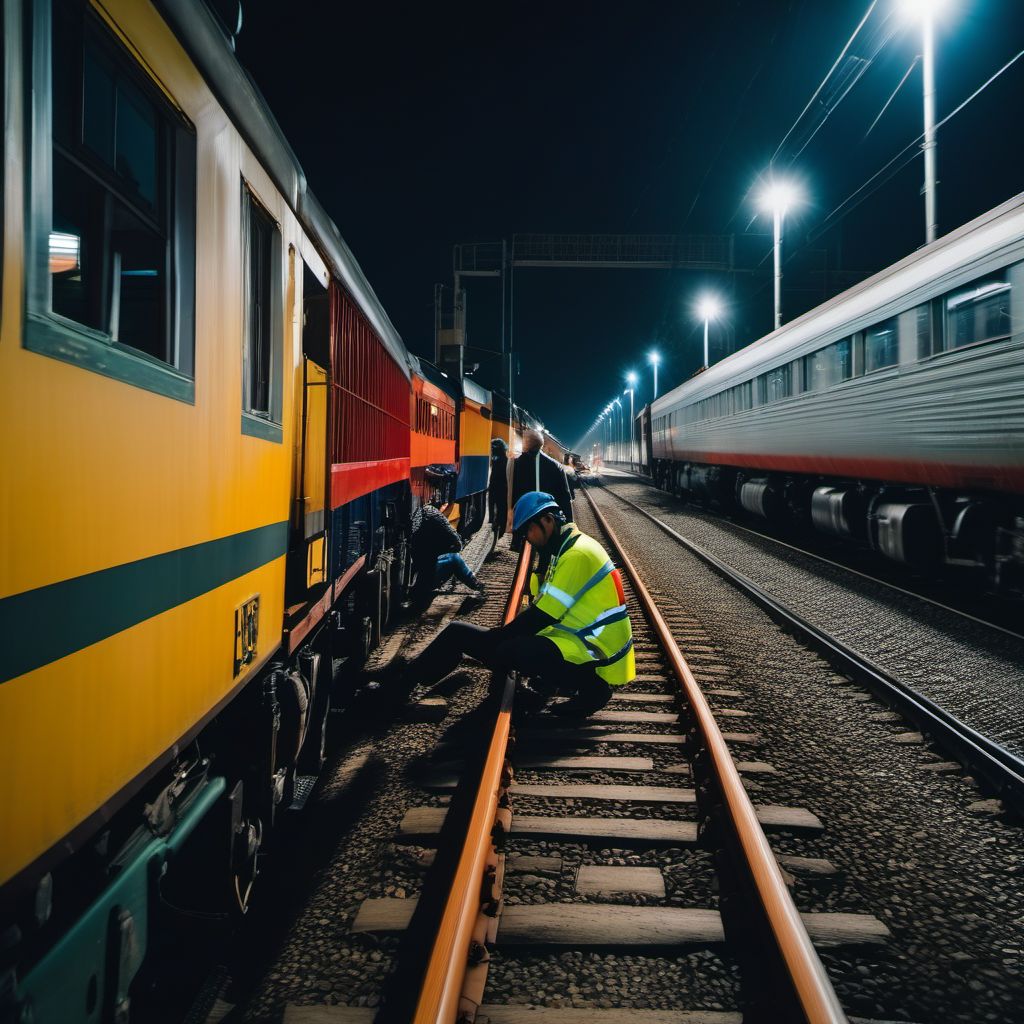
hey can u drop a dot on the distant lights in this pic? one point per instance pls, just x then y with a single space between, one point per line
631 379
654 358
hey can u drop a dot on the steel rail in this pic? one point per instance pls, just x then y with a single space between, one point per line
814 992
438 1001
1001 769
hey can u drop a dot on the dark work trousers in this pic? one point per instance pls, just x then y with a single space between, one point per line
533 656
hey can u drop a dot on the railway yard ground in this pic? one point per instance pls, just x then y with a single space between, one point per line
908 873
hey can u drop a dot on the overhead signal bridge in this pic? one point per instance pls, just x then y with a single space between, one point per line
596 252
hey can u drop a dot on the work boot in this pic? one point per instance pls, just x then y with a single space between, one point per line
584 703
479 590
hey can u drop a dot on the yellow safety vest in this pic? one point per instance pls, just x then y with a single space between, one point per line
583 591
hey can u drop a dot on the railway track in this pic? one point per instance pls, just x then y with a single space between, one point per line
616 868
1001 769
562 847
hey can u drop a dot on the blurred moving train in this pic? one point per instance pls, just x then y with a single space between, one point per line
214 442
892 415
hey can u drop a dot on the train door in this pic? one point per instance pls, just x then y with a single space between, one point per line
308 562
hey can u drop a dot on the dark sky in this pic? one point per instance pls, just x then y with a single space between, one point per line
423 125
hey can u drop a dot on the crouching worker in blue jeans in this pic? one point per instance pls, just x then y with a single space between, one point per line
575 639
435 556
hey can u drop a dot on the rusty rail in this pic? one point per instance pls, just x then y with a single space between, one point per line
446 969
816 997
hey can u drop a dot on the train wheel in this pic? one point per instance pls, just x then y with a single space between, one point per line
245 861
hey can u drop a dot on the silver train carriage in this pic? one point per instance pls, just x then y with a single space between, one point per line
892 414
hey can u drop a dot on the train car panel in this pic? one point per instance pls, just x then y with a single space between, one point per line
88 618
474 443
433 425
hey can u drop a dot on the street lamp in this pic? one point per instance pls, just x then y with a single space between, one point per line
654 359
925 11
631 381
776 199
621 432
709 308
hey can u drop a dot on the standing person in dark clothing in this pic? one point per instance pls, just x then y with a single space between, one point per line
570 475
535 471
435 556
497 492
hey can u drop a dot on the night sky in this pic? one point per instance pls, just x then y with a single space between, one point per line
420 126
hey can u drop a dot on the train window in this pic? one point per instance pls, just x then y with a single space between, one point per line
761 384
979 312
882 345
777 383
797 377
111 271
929 330
830 365
262 327
744 396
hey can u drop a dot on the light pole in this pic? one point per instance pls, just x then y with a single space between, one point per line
631 381
776 199
709 308
622 433
925 11
654 359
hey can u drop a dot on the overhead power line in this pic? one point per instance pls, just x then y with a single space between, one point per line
899 161
845 73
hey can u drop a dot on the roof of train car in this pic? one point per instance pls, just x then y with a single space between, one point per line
204 40
476 393
428 371
916 274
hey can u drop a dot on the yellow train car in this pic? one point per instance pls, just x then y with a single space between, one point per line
164 365
473 455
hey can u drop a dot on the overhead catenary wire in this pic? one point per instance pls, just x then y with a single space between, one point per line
817 92
900 160
888 102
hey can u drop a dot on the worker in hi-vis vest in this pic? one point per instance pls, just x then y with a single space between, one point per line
575 639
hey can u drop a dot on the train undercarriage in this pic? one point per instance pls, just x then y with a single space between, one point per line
176 863
926 528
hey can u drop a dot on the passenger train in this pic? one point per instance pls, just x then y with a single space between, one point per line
892 415
214 441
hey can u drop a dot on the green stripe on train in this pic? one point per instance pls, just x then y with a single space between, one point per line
39 626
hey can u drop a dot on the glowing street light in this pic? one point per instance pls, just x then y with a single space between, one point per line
654 359
777 198
924 11
708 309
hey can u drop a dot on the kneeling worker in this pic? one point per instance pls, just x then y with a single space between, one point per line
574 639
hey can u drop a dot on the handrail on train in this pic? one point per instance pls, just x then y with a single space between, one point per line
446 969
815 994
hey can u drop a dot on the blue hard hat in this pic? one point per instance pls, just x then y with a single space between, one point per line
529 506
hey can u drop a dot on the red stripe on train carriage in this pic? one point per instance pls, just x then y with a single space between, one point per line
351 480
972 477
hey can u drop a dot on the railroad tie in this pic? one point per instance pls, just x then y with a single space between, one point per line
513 1014
610 925
635 717
611 880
